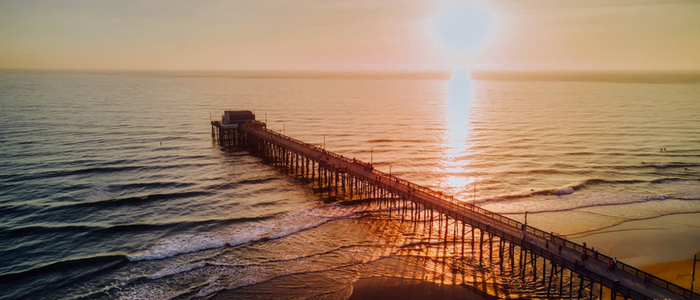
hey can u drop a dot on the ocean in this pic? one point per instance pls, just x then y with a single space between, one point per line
111 188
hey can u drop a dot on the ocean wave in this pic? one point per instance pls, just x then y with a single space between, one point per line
257 181
105 192
255 275
177 166
589 200
266 203
590 183
600 204
546 192
228 185
102 262
101 168
563 191
9 232
667 180
676 192
155 185
260 230
65 173
219 186
120 228
659 165
379 141
180 245
18 208
138 200
175 269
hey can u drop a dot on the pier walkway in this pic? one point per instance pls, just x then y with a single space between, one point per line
339 172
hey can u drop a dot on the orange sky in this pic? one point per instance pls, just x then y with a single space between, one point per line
340 35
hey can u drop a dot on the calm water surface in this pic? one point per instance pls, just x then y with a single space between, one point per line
110 186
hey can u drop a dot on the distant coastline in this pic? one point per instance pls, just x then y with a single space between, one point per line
591 76
257 74
570 76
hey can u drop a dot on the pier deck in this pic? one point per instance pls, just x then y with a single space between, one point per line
624 281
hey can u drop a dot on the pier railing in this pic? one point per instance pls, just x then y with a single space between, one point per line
651 279
460 205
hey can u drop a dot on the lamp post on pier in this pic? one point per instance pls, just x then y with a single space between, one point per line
391 180
324 142
692 279
371 155
526 218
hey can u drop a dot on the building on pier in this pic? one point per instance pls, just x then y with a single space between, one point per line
227 133
237 117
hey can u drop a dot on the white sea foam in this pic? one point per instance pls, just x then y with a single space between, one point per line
147 291
571 201
289 223
179 245
175 269
98 193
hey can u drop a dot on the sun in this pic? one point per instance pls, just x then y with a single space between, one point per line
461 26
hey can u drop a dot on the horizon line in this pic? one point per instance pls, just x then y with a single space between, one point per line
585 75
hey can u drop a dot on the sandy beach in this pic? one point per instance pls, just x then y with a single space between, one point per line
388 288
639 242
678 272
651 241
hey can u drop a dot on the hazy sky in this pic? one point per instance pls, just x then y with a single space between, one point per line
350 34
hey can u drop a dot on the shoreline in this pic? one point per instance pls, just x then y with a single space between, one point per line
396 288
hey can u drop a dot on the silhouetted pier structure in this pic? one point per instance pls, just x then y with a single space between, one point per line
531 251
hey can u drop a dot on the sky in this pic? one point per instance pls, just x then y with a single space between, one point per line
350 35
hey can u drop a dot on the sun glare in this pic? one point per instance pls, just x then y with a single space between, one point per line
460 28
457 176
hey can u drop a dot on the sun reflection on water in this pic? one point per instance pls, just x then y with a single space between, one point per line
455 172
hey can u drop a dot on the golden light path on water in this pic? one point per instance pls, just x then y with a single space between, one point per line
458 177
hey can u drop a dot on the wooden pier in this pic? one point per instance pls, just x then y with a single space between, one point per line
343 178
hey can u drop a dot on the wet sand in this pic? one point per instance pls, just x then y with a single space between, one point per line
388 288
